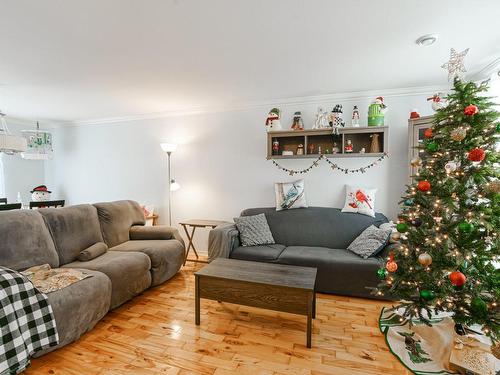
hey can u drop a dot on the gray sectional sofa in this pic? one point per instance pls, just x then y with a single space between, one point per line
138 257
315 237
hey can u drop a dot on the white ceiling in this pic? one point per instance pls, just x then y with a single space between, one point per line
89 59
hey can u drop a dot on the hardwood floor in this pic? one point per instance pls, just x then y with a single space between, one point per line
155 334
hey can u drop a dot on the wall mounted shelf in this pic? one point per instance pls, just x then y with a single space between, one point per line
313 139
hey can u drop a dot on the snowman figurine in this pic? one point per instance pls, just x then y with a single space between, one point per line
273 120
437 101
40 194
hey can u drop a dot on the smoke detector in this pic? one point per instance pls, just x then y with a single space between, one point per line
427 40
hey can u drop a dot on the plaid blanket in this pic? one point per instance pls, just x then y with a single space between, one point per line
27 322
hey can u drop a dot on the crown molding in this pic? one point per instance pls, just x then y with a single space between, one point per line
486 72
243 106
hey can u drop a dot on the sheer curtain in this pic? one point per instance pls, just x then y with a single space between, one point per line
2 178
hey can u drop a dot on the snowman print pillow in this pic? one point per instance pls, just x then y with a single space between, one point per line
360 200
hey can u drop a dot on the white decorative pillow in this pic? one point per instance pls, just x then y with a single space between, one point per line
359 200
290 195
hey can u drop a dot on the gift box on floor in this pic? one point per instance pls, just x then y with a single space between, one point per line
472 357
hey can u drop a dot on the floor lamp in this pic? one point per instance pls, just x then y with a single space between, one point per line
172 185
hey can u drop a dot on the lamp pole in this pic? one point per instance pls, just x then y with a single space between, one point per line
169 190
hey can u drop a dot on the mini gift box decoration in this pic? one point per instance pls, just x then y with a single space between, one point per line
470 356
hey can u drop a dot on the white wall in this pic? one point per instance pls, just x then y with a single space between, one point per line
20 175
220 162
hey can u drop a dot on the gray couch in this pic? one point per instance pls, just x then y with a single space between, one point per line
138 257
315 237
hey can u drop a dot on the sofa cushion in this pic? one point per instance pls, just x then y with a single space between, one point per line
73 229
167 256
316 226
339 270
371 242
254 230
116 218
263 253
25 241
128 271
78 307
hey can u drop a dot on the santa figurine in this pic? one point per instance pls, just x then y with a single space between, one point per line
376 112
297 123
348 147
437 101
273 120
40 194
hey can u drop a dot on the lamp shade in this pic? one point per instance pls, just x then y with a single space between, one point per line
39 144
9 143
168 147
174 186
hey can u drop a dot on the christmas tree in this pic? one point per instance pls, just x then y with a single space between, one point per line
445 261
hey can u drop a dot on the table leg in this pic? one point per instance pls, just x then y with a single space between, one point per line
197 300
314 306
190 241
309 319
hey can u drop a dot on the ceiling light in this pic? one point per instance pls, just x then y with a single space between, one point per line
9 143
427 40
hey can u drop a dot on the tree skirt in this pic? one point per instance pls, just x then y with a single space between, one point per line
421 349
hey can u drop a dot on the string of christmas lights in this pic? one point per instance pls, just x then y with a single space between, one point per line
333 166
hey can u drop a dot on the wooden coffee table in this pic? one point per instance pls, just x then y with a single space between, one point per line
265 285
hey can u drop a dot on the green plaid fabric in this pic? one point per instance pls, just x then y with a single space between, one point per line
27 322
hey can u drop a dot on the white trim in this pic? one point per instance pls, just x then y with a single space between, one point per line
486 72
283 102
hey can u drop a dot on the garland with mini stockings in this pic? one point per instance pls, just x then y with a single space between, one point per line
334 166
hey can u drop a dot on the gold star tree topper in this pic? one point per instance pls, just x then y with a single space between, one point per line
455 64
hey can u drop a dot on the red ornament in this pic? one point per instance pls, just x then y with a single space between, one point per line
424 185
476 154
471 110
457 278
391 265
428 133
414 114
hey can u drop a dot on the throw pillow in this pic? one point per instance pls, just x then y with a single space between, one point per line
370 242
254 230
92 252
360 200
290 195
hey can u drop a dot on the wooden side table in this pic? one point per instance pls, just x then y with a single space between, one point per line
196 223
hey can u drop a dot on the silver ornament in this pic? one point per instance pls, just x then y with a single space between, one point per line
450 167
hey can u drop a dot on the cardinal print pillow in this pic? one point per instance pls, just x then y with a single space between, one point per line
359 200
290 195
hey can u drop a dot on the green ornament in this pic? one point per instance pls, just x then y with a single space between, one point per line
427 295
402 227
465 227
381 273
498 128
432 146
409 202
463 266
479 307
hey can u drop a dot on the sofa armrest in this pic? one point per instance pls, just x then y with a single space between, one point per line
156 232
222 240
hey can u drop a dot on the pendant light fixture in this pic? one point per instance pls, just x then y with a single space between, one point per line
39 144
10 144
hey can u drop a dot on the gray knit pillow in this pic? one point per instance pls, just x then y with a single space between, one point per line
370 242
254 230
